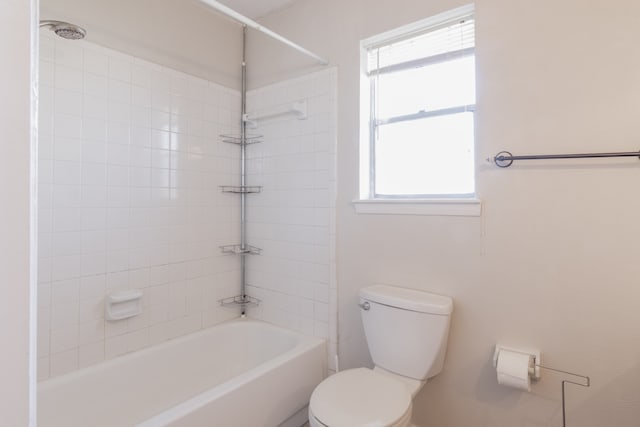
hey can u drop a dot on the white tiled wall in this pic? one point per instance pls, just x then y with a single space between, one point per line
293 219
129 167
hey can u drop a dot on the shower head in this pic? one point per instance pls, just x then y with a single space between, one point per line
65 29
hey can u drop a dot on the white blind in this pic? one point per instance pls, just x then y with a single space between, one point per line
451 37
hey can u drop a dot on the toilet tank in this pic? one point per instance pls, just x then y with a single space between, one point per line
406 329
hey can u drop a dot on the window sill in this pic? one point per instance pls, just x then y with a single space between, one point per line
432 207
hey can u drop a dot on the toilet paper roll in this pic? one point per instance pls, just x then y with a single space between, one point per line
513 369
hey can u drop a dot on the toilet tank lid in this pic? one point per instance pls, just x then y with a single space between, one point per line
408 299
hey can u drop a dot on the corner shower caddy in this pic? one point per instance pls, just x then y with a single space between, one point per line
243 301
299 108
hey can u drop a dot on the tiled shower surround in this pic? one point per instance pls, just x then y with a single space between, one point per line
130 164
293 218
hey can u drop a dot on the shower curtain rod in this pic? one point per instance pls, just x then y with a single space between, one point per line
253 24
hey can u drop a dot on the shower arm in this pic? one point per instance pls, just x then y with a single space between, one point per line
49 23
253 24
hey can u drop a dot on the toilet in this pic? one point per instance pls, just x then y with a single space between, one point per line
407 333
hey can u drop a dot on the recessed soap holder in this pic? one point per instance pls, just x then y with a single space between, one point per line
123 304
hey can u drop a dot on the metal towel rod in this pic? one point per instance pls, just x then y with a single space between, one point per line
504 159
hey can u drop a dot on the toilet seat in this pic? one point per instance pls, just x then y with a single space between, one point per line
360 397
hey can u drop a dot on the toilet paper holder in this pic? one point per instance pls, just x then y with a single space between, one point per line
535 365
535 360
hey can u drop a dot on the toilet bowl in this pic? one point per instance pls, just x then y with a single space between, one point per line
406 332
360 397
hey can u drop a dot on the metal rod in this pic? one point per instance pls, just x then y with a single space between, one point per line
253 24
426 114
504 159
587 383
243 170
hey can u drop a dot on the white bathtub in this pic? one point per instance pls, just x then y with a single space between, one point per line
242 373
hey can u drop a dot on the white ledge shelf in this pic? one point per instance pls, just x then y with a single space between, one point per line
427 207
238 250
240 301
240 188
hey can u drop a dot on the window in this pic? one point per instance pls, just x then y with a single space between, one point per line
418 110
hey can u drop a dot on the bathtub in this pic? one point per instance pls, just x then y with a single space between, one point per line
242 373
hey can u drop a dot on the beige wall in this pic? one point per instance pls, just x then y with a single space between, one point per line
552 262
15 19
183 35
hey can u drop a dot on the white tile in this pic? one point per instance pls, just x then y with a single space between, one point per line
91 332
140 157
93 264
64 339
118 133
117 281
140 136
117 175
138 340
68 102
65 292
117 217
62 363
116 346
115 328
117 197
180 85
140 196
118 239
91 354
45 171
94 131
93 241
160 81
47 48
139 278
43 368
141 75
141 116
65 219
66 196
179 123
95 86
44 297
160 139
45 144
68 126
140 177
95 62
117 261
119 69
141 96
93 218
161 101
118 111
158 333
65 267
94 174
160 120
66 172
92 287
45 266
160 159
119 91
179 104
68 78
94 152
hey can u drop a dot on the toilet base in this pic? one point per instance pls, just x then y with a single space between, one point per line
405 421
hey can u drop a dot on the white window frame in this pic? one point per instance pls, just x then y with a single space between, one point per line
368 203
